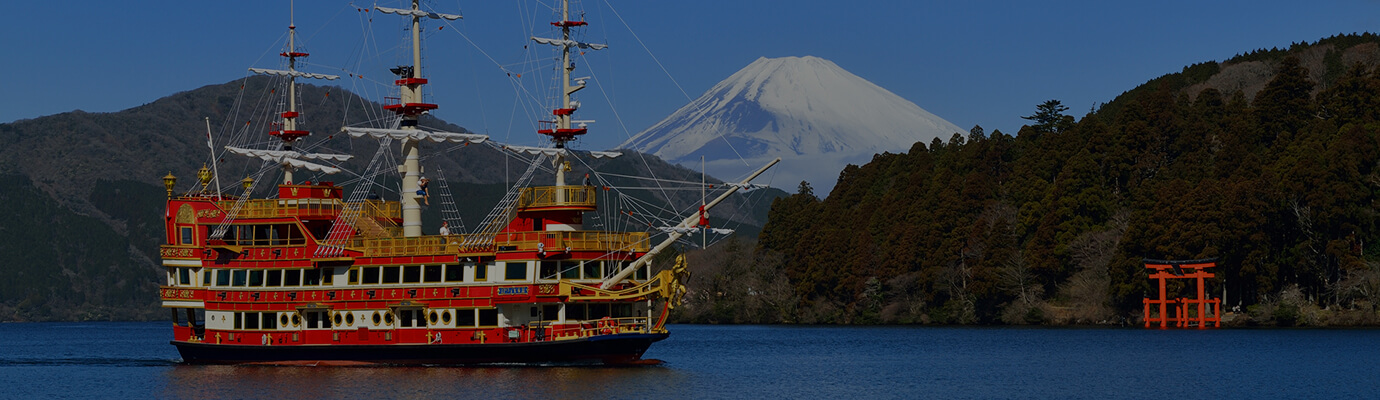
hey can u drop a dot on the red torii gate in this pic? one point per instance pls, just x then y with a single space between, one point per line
1166 270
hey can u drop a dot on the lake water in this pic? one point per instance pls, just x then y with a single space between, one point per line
134 360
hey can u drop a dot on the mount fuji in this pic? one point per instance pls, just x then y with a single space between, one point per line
807 110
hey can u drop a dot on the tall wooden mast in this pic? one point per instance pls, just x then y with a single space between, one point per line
564 130
411 107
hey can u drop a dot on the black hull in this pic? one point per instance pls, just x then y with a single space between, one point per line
611 349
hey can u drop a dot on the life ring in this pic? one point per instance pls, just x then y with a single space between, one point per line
606 325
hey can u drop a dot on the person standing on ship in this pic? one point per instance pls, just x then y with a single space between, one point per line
445 228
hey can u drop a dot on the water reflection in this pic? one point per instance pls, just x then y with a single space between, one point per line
219 381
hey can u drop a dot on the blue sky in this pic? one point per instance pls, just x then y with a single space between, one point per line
970 62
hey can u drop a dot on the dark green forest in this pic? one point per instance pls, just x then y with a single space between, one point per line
1050 225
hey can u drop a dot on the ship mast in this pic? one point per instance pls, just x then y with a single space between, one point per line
564 130
411 107
289 133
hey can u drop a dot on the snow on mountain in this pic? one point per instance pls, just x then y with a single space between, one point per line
814 115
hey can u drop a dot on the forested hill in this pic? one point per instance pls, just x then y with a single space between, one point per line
1275 176
84 202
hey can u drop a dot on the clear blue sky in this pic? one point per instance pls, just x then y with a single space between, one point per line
970 62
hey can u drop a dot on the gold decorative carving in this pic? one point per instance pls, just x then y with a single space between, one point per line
185 214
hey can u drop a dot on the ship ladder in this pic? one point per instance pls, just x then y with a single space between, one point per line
352 208
498 216
449 212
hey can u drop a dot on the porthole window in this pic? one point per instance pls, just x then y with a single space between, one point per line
445 317
296 319
388 317
377 318
283 320
433 317
337 319
349 319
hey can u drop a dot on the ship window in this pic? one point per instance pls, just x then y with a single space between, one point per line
550 312
244 235
621 310
612 267
205 277
445 317
378 319
515 271
464 317
262 234
369 275
597 311
311 277
223 277
251 320
269 321
405 318
350 319
388 318
275 278
240 276
256 278
574 312
352 277
239 320
641 273
312 320
433 273
390 274
292 277
488 317
570 270
455 273
592 269
549 270
186 235
327 276
184 276
481 272
412 274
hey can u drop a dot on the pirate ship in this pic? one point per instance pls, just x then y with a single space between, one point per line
315 273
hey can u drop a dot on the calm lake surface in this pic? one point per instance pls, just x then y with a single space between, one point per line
134 360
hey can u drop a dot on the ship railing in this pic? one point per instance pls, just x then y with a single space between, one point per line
585 328
557 196
559 241
276 208
407 246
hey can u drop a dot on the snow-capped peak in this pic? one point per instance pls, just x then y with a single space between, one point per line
795 108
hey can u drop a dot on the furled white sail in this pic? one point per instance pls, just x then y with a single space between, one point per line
298 74
290 158
551 151
569 43
415 134
281 154
418 13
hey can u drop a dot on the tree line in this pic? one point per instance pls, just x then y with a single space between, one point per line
1050 225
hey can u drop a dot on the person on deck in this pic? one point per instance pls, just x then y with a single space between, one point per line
421 190
445 228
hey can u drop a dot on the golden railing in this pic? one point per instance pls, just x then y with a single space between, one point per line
273 208
546 196
575 240
593 327
408 246
520 241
